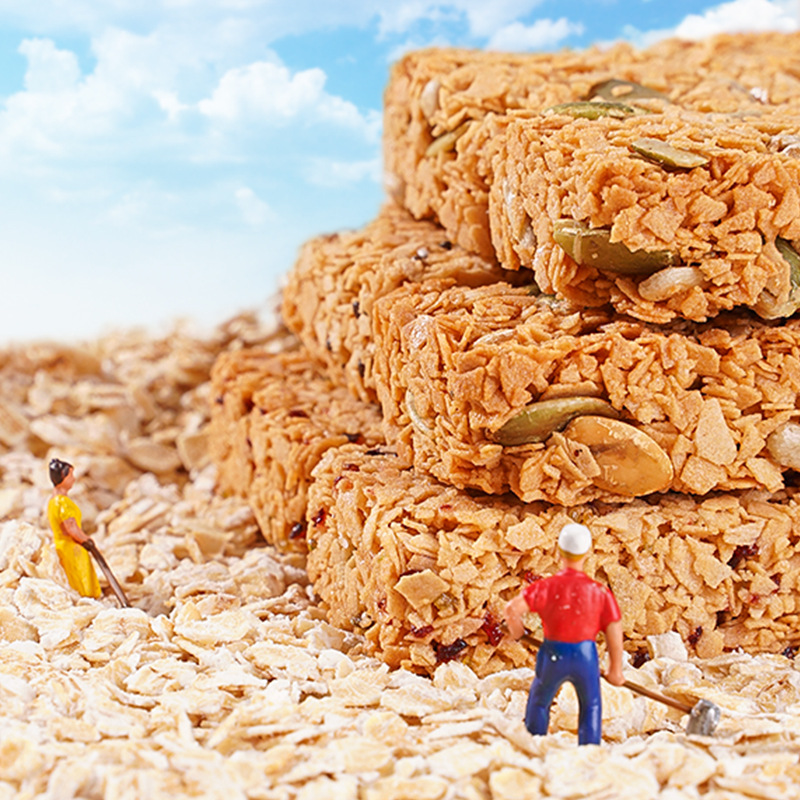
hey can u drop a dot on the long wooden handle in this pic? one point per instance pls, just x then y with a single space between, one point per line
661 698
114 583
634 687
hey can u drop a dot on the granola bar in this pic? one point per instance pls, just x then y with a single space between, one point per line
330 292
273 417
424 570
447 110
663 215
494 389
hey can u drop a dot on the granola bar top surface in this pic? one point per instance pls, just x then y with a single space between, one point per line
330 292
686 407
447 113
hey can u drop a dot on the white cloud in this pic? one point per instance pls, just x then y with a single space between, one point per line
484 19
264 90
542 34
270 93
336 174
732 17
169 103
255 212
146 93
50 70
740 15
53 105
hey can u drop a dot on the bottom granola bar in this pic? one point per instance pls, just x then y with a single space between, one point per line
424 570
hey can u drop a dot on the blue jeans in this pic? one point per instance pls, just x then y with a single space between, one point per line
556 663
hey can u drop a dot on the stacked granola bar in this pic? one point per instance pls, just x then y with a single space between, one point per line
580 305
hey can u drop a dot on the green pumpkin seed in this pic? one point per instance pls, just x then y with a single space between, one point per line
593 247
791 255
767 306
668 156
447 141
615 90
586 110
537 421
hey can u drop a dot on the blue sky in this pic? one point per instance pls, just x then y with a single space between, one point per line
166 158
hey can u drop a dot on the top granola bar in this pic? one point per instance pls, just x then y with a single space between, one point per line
674 214
447 111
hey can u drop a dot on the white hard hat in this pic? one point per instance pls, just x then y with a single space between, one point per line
575 539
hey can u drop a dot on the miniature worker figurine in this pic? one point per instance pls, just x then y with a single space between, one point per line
65 520
574 609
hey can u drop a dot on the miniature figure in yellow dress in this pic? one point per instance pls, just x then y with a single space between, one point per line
65 520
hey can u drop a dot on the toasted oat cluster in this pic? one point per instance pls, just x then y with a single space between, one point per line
678 157
675 214
493 388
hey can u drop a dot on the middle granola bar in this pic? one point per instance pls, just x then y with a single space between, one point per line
495 389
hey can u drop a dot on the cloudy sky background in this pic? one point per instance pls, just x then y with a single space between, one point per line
166 158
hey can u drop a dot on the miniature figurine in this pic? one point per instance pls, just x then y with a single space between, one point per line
573 609
72 544
65 520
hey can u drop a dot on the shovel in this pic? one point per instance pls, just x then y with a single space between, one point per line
113 582
703 715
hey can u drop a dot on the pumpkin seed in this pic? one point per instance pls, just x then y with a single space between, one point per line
593 247
537 421
783 445
429 99
767 305
631 462
584 109
615 89
668 282
666 155
792 257
416 420
447 141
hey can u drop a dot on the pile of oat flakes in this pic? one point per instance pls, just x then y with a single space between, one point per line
225 680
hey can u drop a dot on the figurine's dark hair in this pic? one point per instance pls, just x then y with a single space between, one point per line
59 470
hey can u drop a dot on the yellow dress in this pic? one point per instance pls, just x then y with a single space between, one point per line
74 558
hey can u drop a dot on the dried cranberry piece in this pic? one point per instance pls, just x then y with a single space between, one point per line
742 552
491 627
448 652
298 531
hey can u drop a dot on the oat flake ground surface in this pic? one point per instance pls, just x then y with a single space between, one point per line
226 681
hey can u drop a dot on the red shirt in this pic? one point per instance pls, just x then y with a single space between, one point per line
572 606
